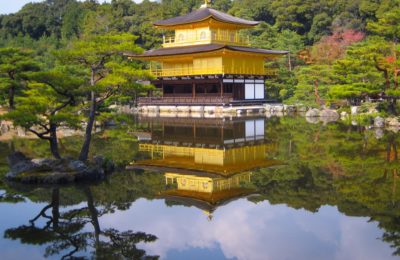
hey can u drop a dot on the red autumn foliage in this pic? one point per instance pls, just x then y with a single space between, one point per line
390 59
332 47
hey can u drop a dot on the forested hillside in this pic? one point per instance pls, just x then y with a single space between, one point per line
339 49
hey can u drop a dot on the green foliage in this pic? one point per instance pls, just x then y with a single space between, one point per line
14 63
313 81
42 102
357 73
102 58
388 24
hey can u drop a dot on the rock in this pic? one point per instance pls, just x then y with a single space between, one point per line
78 166
274 108
372 111
52 171
379 133
101 162
312 113
289 109
379 121
20 167
393 129
328 113
4 128
354 110
301 109
312 119
16 158
393 122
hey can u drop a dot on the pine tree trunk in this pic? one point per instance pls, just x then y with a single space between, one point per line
94 214
11 94
55 202
316 93
88 133
54 141
387 80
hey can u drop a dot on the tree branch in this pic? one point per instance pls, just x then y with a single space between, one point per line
44 126
70 101
109 94
62 93
40 135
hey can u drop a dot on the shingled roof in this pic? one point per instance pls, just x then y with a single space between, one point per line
203 14
201 49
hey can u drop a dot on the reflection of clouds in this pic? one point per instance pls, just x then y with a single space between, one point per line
360 240
245 230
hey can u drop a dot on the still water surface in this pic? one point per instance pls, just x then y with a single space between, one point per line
233 188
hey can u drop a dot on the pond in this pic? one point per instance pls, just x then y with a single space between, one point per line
207 188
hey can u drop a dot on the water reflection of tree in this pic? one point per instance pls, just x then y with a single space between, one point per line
345 166
64 232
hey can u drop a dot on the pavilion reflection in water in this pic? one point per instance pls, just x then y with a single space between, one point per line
206 162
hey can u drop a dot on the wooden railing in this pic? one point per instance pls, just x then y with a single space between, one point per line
187 71
190 71
184 100
213 36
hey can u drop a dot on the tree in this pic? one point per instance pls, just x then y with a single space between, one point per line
313 84
388 26
333 47
47 104
360 73
101 56
64 232
14 63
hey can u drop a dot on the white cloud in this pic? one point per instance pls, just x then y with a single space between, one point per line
244 230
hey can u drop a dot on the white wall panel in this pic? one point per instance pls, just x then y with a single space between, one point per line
259 91
249 91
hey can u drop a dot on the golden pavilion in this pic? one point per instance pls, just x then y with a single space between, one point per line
207 62
206 162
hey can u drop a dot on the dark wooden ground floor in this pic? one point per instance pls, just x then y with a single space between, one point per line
207 91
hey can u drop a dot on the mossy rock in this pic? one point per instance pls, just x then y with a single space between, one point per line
50 171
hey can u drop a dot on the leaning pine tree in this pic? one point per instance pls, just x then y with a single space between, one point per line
47 103
102 56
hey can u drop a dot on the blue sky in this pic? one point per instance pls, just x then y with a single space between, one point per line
12 6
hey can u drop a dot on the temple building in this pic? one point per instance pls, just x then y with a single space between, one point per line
206 162
207 63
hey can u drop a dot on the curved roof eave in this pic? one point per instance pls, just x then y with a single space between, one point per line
203 14
203 49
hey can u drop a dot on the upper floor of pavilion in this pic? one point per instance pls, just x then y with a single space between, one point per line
204 26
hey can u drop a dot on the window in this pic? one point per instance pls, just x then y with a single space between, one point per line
181 37
214 35
232 37
259 88
203 35
228 88
168 89
183 89
249 91
207 88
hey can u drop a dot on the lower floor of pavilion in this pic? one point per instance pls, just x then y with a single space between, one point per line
207 91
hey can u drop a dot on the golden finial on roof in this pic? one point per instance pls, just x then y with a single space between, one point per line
207 3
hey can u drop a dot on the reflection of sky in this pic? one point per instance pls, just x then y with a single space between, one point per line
239 230
12 216
244 230
15 215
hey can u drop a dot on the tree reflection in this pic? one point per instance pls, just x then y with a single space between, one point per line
65 233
